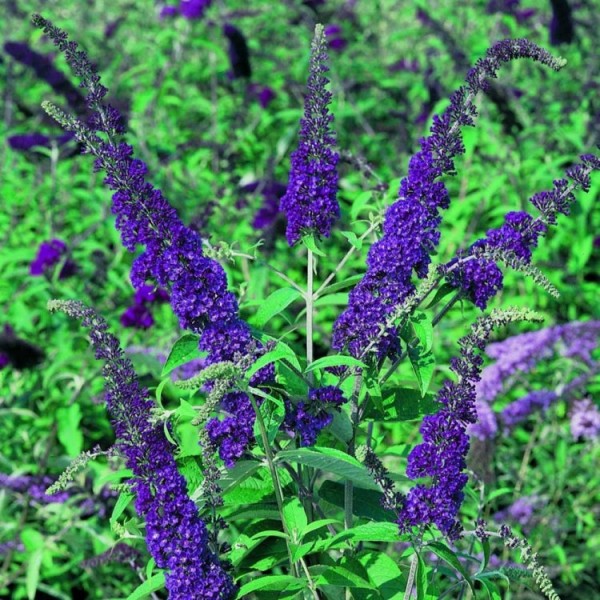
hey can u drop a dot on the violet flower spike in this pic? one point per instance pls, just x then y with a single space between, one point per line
411 225
173 255
310 202
476 271
441 456
176 536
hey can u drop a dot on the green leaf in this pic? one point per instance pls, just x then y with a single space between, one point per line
339 299
340 576
33 572
443 291
405 404
311 243
273 413
280 352
353 238
486 554
423 364
143 591
421 579
366 503
272 582
184 350
68 431
278 301
423 328
122 503
294 517
447 555
384 573
345 283
335 361
331 461
341 426
493 592
370 532
230 478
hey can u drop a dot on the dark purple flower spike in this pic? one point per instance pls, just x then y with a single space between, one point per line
310 202
411 226
176 536
173 256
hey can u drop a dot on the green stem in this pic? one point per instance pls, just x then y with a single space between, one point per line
309 298
411 577
276 482
309 308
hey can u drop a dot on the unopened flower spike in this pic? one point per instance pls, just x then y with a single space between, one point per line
176 536
310 202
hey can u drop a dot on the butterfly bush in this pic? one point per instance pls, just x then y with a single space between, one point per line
411 226
442 455
175 266
175 534
522 354
49 254
173 255
310 202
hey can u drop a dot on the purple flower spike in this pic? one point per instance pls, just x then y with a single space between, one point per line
48 255
411 225
45 70
308 418
239 55
310 203
173 256
193 9
176 536
441 456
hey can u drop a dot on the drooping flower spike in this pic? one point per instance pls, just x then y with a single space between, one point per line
310 202
173 256
176 536
476 271
411 226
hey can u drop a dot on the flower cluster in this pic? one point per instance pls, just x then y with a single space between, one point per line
335 39
308 418
173 255
310 202
138 314
27 141
562 26
34 486
477 274
585 420
17 352
239 55
49 254
442 455
520 354
176 535
272 192
411 226
263 93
